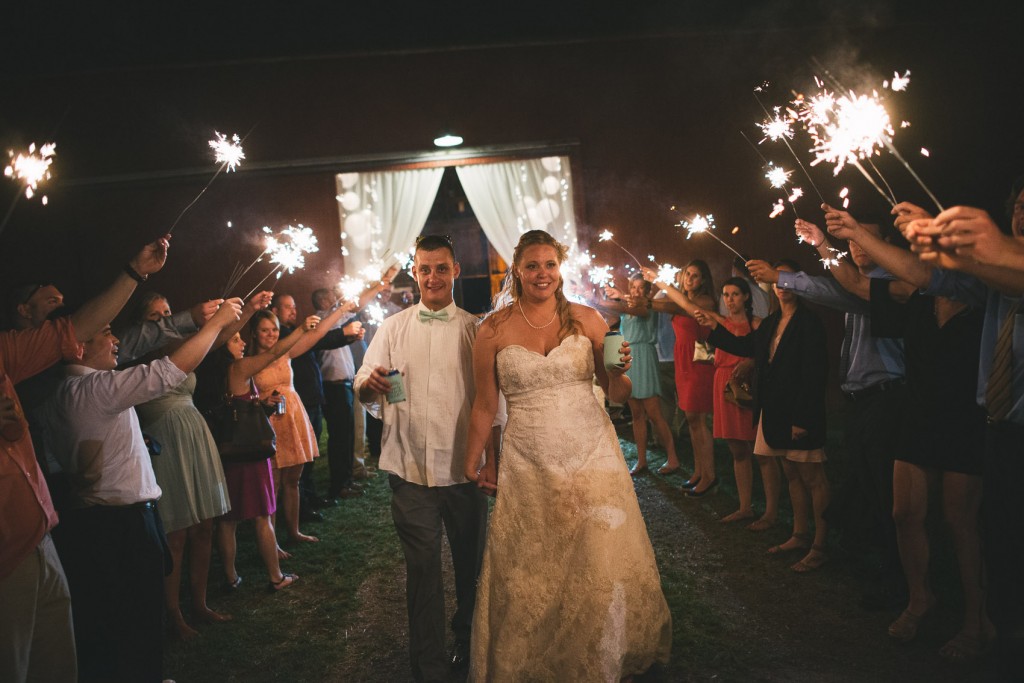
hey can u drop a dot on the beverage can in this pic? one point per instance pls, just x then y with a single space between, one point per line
612 345
397 392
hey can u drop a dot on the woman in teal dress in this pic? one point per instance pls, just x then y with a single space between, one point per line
639 326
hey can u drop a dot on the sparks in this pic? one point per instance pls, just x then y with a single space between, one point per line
375 314
833 259
776 128
899 83
777 208
777 176
699 224
227 151
351 288
667 273
844 193
605 236
925 152
854 129
601 275
31 168
796 194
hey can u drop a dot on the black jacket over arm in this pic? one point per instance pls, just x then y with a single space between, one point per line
789 391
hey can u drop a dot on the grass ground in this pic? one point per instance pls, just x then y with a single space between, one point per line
738 614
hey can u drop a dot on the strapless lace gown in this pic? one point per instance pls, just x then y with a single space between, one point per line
569 589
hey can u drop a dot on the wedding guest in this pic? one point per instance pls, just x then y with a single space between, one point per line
189 473
872 378
296 442
113 545
639 328
423 452
567 546
228 373
789 406
943 430
695 376
37 640
732 422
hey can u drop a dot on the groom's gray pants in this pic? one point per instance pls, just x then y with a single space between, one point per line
419 513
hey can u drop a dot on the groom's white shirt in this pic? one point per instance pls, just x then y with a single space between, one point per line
424 439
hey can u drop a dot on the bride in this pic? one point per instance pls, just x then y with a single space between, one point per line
569 589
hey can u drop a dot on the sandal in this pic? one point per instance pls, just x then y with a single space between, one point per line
811 561
233 585
665 469
802 542
963 648
286 580
904 629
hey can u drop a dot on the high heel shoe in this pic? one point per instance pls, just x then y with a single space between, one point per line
694 493
691 482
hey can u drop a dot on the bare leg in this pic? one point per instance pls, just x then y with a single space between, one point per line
172 585
703 451
290 502
228 548
800 501
652 406
812 476
266 544
636 408
910 508
772 487
742 454
961 497
200 539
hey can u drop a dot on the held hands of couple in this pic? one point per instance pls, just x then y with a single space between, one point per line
485 476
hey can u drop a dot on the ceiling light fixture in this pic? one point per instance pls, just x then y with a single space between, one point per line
448 140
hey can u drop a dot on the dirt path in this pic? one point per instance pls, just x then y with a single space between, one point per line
746 616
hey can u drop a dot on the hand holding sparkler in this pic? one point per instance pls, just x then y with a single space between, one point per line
762 271
906 212
257 302
971 233
152 257
204 310
354 329
841 224
310 323
808 232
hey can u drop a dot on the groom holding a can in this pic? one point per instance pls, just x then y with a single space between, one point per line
417 377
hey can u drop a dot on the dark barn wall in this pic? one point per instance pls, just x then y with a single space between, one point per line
657 122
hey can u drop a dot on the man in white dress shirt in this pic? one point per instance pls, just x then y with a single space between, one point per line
431 344
114 547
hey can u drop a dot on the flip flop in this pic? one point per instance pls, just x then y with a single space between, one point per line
665 469
803 543
813 560
286 580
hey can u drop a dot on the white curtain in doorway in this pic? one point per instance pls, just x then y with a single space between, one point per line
382 213
510 198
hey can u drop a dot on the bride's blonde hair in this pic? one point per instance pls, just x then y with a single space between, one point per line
512 288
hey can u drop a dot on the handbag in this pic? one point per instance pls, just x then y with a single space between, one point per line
703 352
738 392
242 431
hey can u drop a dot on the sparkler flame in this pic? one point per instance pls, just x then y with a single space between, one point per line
854 129
777 176
796 194
776 128
833 259
601 275
667 273
375 314
899 83
227 151
605 236
289 248
351 288
777 208
31 167
698 225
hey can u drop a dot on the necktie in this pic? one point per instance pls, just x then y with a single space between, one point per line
426 316
998 393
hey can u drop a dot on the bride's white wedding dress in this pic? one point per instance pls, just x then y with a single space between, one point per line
569 589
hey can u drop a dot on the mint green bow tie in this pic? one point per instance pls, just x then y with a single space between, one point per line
433 315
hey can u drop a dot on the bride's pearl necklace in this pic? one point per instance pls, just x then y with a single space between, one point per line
536 327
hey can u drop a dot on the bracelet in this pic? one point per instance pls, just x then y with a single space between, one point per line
133 274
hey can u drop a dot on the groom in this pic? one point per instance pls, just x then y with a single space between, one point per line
431 344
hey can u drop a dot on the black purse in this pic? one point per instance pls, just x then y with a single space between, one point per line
242 431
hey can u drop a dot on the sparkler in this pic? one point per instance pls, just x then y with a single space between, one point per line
777 178
607 236
288 250
667 274
601 276
375 314
775 128
228 153
704 225
852 128
28 168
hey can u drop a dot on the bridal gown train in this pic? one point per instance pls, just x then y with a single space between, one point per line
569 590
